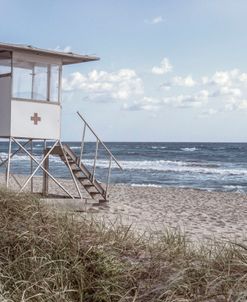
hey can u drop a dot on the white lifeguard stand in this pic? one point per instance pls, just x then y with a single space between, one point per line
30 109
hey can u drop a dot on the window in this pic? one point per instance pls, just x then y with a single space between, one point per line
22 79
54 83
35 81
40 82
5 63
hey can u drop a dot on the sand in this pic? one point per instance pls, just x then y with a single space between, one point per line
198 214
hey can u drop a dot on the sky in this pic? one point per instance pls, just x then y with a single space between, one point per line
169 70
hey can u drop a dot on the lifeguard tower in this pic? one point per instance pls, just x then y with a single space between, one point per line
30 109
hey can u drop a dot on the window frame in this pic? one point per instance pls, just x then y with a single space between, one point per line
36 60
7 74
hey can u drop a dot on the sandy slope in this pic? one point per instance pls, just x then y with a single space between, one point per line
199 214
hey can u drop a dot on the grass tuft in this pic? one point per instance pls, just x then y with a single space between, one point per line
49 256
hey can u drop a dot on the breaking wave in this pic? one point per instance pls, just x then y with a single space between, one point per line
189 149
151 165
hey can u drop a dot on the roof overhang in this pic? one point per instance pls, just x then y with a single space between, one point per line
66 57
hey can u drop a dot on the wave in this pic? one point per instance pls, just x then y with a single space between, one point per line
146 185
174 167
181 167
165 166
158 147
189 149
234 188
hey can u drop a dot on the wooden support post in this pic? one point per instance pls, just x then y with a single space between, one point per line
8 165
45 176
31 164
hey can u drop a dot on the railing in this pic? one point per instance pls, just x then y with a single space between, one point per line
98 141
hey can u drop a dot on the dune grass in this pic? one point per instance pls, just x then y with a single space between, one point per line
49 256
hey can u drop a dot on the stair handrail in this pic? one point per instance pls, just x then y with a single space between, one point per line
103 144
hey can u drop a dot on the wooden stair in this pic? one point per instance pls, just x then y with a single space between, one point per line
81 173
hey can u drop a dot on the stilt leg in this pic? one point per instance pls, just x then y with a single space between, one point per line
8 165
45 175
31 165
70 170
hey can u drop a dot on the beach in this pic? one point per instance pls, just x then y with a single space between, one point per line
197 214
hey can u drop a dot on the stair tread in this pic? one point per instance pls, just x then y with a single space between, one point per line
82 174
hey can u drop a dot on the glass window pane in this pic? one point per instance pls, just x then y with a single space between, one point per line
22 79
30 81
40 83
5 62
54 80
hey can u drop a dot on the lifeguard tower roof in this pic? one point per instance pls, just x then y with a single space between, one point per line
66 57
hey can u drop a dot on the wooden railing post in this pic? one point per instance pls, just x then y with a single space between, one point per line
45 176
108 177
83 140
95 159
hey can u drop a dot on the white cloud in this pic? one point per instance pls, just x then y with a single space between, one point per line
180 101
165 67
155 20
146 104
65 49
243 77
227 92
229 87
222 91
208 112
188 101
121 84
223 78
231 106
185 82
212 111
242 105
235 105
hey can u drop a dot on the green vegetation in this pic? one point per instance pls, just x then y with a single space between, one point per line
49 256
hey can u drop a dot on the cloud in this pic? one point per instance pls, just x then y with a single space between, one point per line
65 49
242 105
155 20
236 105
188 101
180 101
184 82
118 85
224 78
179 81
220 92
165 67
208 112
229 87
227 92
146 104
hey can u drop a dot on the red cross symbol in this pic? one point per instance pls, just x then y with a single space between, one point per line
35 118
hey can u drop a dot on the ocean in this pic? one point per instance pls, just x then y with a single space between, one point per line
206 166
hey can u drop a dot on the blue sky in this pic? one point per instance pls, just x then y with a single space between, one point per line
169 70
